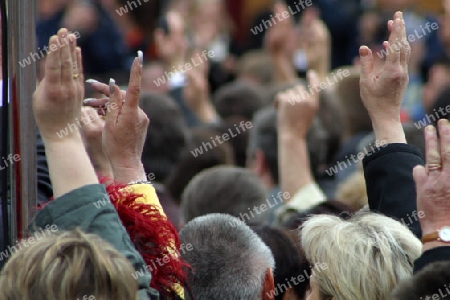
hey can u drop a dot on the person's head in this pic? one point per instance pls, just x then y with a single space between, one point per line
262 152
365 256
355 116
433 280
256 67
224 189
438 79
166 137
239 130
291 267
228 260
438 109
329 207
192 163
238 99
69 265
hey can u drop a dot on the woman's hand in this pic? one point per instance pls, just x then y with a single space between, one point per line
58 98
125 125
92 130
57 107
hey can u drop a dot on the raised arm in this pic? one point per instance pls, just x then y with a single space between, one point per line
57 106
80 201
388 171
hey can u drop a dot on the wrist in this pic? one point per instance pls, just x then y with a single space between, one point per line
129 174
433 228
72 138
389 130
287 134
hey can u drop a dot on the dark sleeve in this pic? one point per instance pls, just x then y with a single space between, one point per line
45 191
432 256
390 184
90 209
189 116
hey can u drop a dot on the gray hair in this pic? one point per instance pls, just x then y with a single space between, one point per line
224 189
366 256
228 260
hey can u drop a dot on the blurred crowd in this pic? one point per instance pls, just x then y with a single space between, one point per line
185 154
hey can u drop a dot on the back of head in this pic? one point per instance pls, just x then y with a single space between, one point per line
71 265
224 189
329 207
264 137
229 261
256 66
190 164
439 109
238 99
166 137
432 280
378 252
290 262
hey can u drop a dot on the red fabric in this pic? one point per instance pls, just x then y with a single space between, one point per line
153 236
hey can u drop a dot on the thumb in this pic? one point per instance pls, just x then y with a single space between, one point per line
419 175
366 60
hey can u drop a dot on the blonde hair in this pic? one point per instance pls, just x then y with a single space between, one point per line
352 191
366 256
70 265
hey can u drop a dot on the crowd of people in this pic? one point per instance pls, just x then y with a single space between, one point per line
308 164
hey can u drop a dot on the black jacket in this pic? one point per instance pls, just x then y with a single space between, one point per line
391 191
390 184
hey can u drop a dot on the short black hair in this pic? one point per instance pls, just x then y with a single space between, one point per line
238 99
264 137
167 135
290 261
441 103
432 280
191 165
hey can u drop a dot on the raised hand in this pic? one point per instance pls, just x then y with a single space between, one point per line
126 128
278 40
296 111
92 130
58 98
57 107
382 92
432 181
297 108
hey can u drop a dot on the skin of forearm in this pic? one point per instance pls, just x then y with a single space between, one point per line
69 165
294 166
390 131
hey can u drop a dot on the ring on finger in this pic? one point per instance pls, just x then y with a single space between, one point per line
433 167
